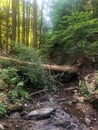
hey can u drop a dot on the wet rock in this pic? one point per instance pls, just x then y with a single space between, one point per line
61 118
40 114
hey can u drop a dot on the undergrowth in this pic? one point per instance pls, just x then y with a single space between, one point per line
20 78
31 75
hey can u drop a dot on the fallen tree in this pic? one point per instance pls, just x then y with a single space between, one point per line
58 68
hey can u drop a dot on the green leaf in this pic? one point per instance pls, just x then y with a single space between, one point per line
20 84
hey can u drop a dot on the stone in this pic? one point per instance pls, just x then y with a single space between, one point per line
2 127
80 99
87 121
61 118
40 114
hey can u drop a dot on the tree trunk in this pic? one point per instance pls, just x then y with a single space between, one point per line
18 21
7 24
13 20
34 23
46 66
23 23
0 35
41 25
27 23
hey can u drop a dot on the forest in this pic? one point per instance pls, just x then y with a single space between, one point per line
49 64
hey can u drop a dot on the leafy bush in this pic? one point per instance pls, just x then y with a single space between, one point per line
32 74
84 90
73 35
22 52
10 76
5 63
17 93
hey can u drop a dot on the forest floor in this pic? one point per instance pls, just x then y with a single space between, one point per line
71 112
63 108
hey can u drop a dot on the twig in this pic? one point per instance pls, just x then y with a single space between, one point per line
38 92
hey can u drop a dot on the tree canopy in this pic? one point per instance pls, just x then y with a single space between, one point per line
59 28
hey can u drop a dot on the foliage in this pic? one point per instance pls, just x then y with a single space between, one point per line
2 109
16 94
10 76
22 52
5 64
32 74
84 90
79 38
27 75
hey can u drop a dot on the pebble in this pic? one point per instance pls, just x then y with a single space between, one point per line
87 121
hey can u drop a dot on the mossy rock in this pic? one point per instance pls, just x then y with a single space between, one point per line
89 85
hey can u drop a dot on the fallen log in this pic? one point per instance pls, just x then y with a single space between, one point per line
58 68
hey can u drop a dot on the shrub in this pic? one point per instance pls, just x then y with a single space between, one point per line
17 93
10 76
31 74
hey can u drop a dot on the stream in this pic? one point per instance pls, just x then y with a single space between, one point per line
71 113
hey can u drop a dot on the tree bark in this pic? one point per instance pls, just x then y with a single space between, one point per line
27 22
34 23
57 68
0 35
23 22
13 20
41 24
7 24
18 21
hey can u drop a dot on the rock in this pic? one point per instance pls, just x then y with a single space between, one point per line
80 99
40 114
91 83
87 121
89 86
61 118
2 127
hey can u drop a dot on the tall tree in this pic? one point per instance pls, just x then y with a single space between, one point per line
0 34
41 23
34 23
14 20
18 20
23 22
7 23
27 22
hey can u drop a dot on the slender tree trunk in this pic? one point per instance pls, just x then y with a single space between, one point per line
13 20
23 23
18 21
0 35
34 23
41 25
7 24
27 24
